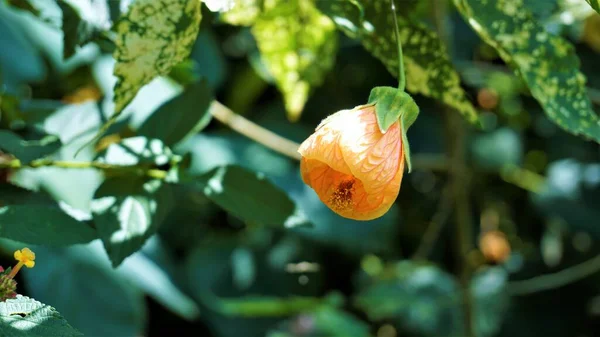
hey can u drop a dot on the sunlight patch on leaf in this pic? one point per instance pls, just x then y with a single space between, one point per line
243 12
299 45
24 316
427 65
547 63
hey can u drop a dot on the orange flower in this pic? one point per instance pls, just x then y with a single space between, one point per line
354 168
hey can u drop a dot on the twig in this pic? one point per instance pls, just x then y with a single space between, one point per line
255 132
555 280
459 185
115 169
434 230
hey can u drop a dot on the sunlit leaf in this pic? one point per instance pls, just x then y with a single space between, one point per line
152 37
250 197
33 217
595 4
427 65
298 44
127 212
24 316
76 31
547 63
243 12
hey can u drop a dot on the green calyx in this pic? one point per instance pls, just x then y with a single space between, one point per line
391 105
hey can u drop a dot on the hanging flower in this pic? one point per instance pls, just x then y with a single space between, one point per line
354 168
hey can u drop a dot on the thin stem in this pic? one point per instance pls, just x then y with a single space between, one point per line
115 169
555 280
459 184
254 131
15 270
434 229
401 75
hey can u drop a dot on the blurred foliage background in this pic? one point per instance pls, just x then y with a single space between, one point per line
531 190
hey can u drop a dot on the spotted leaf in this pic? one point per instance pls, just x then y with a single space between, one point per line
428 68
298 44
547 63
152 37
595 4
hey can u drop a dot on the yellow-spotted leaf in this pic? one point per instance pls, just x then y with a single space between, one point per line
547 63
152 37
298 45
595 4
428 68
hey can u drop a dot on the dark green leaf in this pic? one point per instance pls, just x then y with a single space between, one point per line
298 44
24 5
81 284
546 62
327 321
250 197
24 316
595 4
427 65
35 218
76 31
181 116
427 301
28 150
127 211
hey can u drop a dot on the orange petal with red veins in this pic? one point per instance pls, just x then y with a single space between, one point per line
354 168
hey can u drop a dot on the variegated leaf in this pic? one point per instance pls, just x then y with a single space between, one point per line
428 68
546 62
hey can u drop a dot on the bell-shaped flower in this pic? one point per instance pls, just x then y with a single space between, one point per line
355 168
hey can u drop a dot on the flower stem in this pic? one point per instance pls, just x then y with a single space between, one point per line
15 270
401 76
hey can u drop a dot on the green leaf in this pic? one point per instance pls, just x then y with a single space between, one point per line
35 218
546 62
76 31
595 4
392 104
127 212
152 37
299 45
24 5
24 316
183 115
80 282
250 197
28 150
427 65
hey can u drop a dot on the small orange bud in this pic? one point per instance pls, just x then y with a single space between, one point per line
494 246
354 168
